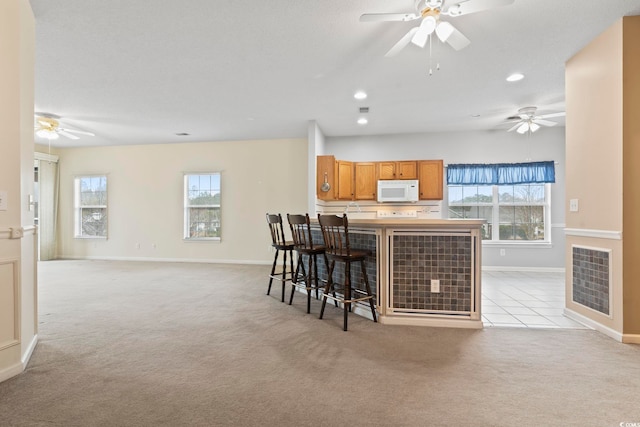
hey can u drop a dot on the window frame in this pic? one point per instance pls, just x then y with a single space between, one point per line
495 214
77 207
187 208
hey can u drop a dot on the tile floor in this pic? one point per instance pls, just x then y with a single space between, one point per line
524 300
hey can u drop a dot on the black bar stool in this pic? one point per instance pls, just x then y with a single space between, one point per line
335 231
280 244
303 245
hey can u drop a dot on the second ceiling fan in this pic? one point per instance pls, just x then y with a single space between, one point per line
430 12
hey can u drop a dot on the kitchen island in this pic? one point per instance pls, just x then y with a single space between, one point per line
424 271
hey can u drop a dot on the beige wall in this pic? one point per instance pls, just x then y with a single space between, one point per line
18 311
145 186
602 157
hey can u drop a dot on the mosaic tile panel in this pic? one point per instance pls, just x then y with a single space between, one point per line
417 259
591 278
357 240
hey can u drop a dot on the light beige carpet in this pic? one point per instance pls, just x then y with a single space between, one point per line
152 344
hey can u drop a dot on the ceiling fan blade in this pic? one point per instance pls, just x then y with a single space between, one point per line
385 17
404 41
515 127
548 116
544 122
473 6
448 33
81 132
426 27
68 135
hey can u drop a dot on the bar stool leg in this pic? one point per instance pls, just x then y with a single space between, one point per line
327 288
273 270
308 279
368 288
347 293
295 277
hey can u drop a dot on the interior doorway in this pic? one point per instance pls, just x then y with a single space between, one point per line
525 299
45 204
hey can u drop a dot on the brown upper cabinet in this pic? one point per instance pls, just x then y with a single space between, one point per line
397 170
344 180
430 173
366 183
325 177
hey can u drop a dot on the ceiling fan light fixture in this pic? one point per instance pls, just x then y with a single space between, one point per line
424 31
46 133
523 128
534 127
444 30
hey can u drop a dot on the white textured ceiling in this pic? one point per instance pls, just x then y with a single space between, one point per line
140 71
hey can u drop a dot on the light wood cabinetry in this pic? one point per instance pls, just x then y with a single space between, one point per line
430 173
344 180
359 180
397 170
366 182
325 174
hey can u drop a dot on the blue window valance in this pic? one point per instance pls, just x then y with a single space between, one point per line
501 173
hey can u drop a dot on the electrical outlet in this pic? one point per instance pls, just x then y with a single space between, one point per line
573 205
435 286
503 252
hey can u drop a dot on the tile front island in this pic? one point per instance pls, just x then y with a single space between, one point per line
408 255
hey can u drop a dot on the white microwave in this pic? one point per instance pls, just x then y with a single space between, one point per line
398 190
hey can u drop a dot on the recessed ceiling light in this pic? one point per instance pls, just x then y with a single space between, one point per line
515 77
363 121
360 95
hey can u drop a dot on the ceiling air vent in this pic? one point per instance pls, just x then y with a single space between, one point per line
364 110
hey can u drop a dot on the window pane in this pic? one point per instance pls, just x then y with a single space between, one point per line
455 194
94 221
505 193
93 191
204 222
202 206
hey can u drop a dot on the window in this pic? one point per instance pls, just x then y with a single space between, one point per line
202 206
521 211
90 206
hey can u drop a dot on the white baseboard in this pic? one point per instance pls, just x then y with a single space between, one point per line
150 259
611 333
527 269
27 355
10 372
433 322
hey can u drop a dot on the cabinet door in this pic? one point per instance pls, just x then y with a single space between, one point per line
386 170
366 184
406 170
325 172
430 179
344 180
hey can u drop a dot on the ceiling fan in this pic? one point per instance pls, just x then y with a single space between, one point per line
48 126
527 121
430 12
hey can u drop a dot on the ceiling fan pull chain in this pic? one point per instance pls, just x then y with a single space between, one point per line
430 68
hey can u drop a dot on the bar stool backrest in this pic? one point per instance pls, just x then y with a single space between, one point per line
276 229
301 230
335 232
